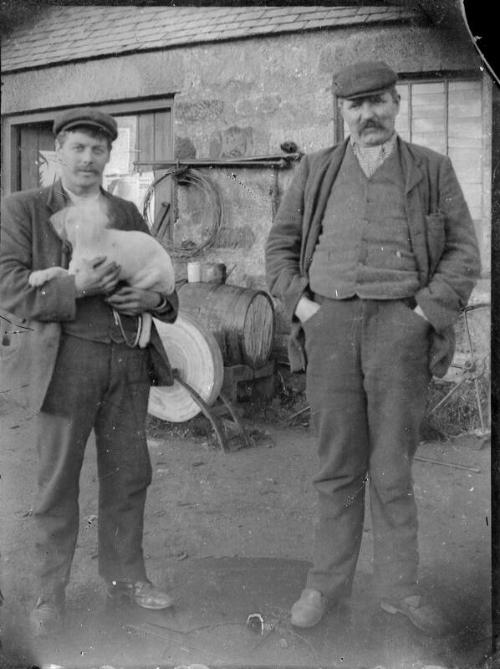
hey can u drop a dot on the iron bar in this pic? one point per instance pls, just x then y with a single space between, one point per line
253 161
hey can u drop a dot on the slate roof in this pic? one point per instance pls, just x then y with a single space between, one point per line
70 33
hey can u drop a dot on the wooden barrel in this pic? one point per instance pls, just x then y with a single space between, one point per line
241 320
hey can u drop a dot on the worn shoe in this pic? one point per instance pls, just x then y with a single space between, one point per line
309 609
423 615
149 597
45 619
142 593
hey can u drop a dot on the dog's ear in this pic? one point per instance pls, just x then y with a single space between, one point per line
58 221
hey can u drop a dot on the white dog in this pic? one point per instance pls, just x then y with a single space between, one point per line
144 263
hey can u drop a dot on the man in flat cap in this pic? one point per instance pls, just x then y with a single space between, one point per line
78 369
373 254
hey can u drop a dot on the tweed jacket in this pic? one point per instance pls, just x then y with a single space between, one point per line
28 242
441 233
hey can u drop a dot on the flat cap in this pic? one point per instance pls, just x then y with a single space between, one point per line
71 118
363 78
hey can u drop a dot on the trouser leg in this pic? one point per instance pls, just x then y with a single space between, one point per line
63 427
61 444
366 383
338 410
395 363
124 466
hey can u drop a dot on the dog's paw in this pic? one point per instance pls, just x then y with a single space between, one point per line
41 276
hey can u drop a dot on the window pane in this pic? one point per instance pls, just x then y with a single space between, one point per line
402 119
119 177
432 140
465 129
474 197
124 148
465 119
464 98
428 115
467 164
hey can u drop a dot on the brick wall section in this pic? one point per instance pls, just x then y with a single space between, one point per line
62 34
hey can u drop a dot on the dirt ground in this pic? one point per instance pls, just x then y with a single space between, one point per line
230 534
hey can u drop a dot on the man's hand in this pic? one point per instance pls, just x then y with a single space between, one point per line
96 277
306 308
133 301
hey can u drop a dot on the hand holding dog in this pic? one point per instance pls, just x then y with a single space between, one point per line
96 277
133 301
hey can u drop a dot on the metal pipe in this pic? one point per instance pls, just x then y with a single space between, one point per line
254 161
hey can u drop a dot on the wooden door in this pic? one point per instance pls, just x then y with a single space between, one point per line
31 140
154 142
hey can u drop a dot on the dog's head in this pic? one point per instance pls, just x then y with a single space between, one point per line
82 218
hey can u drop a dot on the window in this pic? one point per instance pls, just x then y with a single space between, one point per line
447 116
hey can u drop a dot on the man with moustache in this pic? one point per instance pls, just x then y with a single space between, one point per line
373 253
77 368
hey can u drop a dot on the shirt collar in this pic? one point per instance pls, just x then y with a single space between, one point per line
78 199
385 148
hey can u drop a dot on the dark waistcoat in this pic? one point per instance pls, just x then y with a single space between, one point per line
94 320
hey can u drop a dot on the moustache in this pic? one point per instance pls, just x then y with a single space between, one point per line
370 124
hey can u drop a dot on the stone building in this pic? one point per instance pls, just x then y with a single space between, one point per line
212 87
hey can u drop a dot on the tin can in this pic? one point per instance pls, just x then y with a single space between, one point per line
194 272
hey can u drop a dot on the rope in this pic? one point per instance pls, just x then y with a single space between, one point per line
186 177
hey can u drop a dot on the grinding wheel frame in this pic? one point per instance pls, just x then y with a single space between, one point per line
194 353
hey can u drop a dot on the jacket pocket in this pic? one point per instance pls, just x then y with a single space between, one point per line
442 349
412 314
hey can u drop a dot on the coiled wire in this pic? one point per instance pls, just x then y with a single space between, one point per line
189 176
